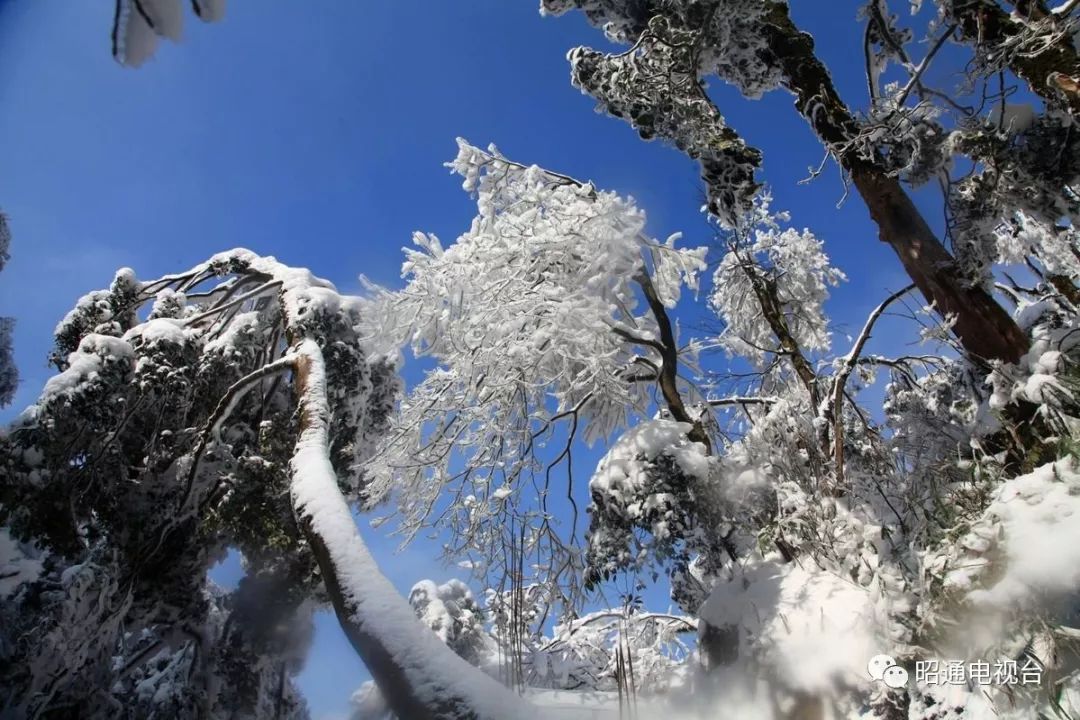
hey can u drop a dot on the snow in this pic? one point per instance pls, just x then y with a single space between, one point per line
1021 236
576 705
241 324
673 268
86 364
1041 375
432 668
648 86
167 17
623 471
1043 388
534 312
139 23
796 264
631 485
134 40
810 628
159 330
428 596
1038 519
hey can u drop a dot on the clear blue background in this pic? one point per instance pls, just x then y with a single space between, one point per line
316 132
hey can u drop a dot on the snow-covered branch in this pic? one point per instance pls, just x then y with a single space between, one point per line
533 316
420 676
137 25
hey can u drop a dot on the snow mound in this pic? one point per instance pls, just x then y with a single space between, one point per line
86 364
624 469
159 330
810 628
1038 516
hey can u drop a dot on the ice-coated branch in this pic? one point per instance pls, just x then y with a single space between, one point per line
654 86
1038 48
534 316
756 46
743 400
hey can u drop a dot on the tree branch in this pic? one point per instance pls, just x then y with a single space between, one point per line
417 673
669 366
840 381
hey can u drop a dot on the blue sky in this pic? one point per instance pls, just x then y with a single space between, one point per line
316 132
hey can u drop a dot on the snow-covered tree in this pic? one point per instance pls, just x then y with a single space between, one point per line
769 291
1029 38
231 405
912 131
623 651
549 317
244 404
9 376
789 516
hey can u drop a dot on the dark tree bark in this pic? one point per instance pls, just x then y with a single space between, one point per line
773 310
669 366
984 329
982 326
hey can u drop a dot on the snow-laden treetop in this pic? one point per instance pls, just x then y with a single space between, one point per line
535 316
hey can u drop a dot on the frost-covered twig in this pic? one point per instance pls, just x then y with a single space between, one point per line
840 381
916 76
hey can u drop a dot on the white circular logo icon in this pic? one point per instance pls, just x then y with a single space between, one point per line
895 677
878 665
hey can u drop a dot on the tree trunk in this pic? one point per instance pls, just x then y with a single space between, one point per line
420 677
773 311
669 366
1064 285
983 327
